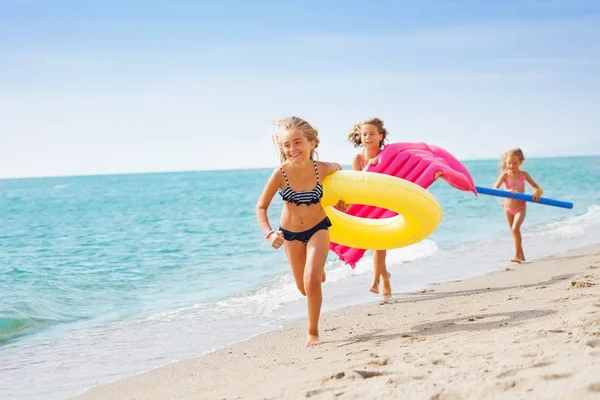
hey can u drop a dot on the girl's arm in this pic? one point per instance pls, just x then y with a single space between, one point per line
500 180
330 167
538 190
356 163
274 182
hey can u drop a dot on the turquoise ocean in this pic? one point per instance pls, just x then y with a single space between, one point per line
102 277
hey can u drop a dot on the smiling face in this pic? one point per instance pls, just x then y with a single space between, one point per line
513 163
370 137
296 147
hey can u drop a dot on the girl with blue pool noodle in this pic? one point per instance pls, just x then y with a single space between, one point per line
514 181
303 229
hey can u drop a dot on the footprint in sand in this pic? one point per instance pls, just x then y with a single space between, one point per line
337 376
380 363
582 284
506 374
542 364
471 319
509 385
594 387
368 374
594 343
553 377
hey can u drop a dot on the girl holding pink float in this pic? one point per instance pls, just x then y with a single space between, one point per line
419 163
371 135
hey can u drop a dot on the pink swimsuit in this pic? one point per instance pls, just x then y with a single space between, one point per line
519 186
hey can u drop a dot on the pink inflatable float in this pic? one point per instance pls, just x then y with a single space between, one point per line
419 163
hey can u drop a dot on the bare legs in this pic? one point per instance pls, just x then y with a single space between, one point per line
514 222
307 262
380 271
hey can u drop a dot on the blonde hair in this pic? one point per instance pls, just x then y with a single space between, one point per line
354 136
512 152
291 123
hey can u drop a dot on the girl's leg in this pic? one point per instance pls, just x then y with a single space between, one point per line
510 218
317 250
380 271
295 251
516 230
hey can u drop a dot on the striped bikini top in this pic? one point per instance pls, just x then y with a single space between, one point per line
307 197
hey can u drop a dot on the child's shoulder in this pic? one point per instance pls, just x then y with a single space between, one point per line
278 168
323 164
278 172
325 167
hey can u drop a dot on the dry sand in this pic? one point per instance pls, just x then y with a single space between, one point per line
529 332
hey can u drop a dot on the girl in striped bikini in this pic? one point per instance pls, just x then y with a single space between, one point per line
514 180
303 226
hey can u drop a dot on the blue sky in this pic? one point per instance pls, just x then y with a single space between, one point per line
107 86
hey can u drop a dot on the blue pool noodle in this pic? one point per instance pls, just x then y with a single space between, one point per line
522 196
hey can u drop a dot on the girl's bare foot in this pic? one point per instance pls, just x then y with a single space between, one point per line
387 287
375 287
515 260
312 340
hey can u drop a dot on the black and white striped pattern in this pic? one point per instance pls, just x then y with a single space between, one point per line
305 197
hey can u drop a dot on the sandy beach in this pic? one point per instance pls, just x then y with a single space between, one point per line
531 331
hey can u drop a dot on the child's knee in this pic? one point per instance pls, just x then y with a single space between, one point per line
300 287
312 279
515 229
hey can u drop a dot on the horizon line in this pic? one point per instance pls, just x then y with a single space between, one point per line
99 174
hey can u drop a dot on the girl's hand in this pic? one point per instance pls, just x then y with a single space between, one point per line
276 239
370 161
342 206
536 195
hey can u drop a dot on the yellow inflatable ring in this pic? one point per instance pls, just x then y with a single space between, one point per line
419 213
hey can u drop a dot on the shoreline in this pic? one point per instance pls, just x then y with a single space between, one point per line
368 350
